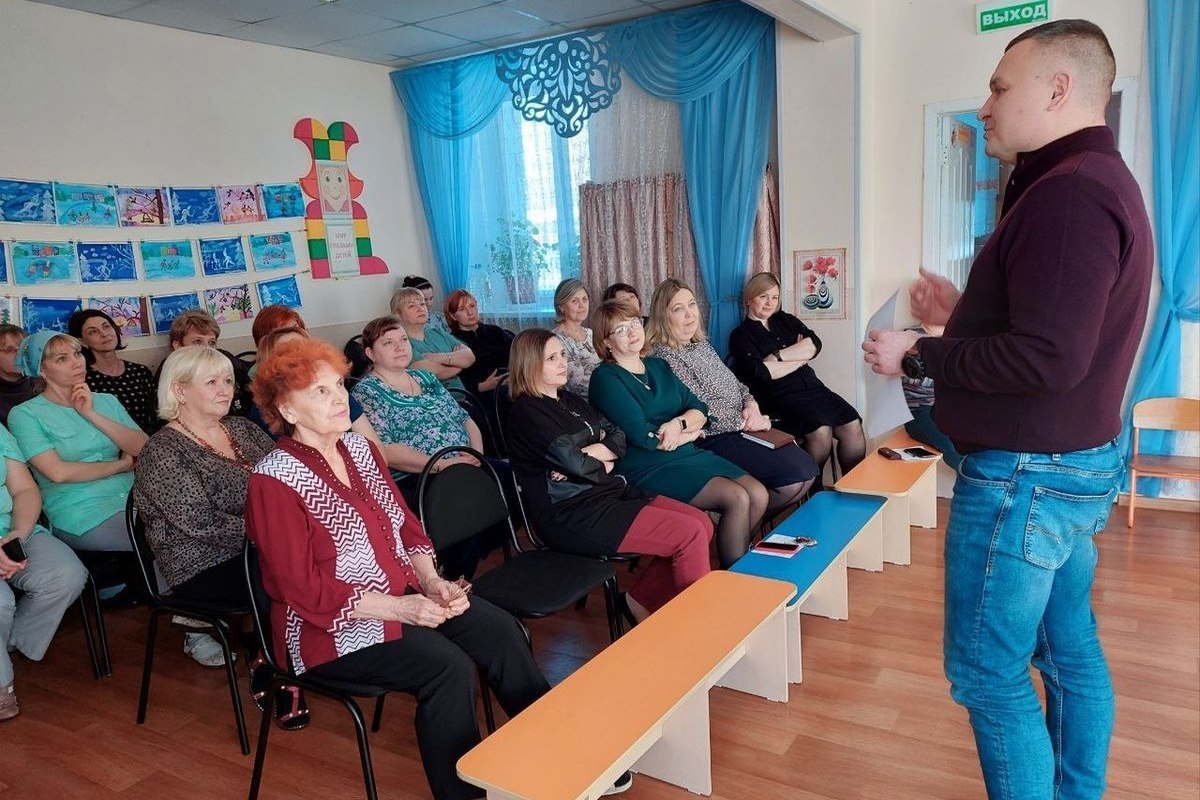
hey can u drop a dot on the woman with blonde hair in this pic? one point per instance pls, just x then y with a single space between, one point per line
772 351
434 350
662 419
676 335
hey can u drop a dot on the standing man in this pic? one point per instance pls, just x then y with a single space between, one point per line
1030 375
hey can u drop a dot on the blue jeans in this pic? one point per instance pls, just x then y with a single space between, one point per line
925 430
1019 566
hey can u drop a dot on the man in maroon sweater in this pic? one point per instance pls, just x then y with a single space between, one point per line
1029 379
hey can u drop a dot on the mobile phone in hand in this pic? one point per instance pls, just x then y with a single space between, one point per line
890 454
14 550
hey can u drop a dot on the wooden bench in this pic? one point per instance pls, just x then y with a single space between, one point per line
911 489
642 703
849 533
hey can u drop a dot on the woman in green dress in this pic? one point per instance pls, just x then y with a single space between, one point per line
662 418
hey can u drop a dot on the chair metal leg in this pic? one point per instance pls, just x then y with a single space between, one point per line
101 633
377 718
364 746
147 667
485 691
231 674
581 603
615 628
85 614
260 753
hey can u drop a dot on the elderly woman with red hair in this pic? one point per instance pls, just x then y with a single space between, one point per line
355 593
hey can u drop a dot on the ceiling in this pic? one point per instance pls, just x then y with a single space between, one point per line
397 33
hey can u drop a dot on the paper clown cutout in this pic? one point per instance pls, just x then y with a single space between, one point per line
339 238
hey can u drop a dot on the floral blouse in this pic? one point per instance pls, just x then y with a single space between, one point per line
702 370
581 360
426 422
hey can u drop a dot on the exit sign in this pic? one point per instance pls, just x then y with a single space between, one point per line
994 16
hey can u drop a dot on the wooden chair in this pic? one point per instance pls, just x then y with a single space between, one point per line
1163 414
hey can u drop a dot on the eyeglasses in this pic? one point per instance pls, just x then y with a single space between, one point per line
626 328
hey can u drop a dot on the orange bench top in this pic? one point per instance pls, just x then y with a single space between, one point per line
877 475
558 747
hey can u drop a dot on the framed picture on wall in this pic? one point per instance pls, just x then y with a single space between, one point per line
819 282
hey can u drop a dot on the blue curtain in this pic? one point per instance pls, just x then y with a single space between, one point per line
446 105
1173 35
718 63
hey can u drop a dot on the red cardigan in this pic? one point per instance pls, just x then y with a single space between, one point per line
322 545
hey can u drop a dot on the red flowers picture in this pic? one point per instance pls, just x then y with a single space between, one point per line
820 283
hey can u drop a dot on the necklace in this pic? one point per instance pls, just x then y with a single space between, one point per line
643 379
239 457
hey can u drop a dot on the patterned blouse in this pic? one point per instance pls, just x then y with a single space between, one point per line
135 388
426 422
701 370
581 359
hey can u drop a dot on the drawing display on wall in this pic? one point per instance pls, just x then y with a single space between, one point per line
272 251
8 310
47 313
129 313
26 201
819 278
106 261
143 206
229 303
3 265
222 256
282 200
35 263
195 206
165 308
164 261
239 204
339 237
279 292
85 204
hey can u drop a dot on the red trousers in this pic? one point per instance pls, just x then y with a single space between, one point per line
679 534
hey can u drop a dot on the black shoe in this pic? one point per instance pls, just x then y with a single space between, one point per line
621 784
291 710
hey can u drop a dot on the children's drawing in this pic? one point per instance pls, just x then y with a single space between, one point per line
3 265
272 251
222 256
26 201
106 261
165 308
282 200
230 303
164 261
240 204
143 206
8 310
49 313
87 205
279 292
195 206
36 263
129 313
333 189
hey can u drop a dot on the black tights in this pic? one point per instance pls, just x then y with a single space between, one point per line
740 504
782 496
851 446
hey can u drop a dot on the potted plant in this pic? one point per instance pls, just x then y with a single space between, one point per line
518 257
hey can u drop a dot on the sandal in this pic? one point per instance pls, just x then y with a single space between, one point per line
291 710
260 681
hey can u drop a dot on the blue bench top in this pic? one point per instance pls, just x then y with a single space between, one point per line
833 519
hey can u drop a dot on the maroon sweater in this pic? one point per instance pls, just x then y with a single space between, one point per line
1036 355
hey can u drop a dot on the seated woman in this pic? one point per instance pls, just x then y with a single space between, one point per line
323 500
433 350
489 343
15 388
677 337
409 408
81 445
626 294
771 351
272 318
422 284
662 419
571 306
195 326
563 453
131 383
50 575
190 486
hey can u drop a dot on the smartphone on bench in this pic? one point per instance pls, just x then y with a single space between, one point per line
919 452
782 547
890 454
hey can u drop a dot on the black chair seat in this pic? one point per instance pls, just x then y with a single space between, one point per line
537 583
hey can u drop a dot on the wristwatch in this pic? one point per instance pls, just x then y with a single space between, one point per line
777 356
913 366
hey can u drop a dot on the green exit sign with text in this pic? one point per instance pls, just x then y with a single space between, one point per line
995 16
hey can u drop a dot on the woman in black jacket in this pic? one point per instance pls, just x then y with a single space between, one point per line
563 453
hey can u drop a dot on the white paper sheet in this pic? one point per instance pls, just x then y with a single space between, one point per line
886 408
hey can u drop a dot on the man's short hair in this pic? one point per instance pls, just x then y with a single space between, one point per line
1085 44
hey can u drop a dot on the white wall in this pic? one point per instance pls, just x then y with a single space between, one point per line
91 99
